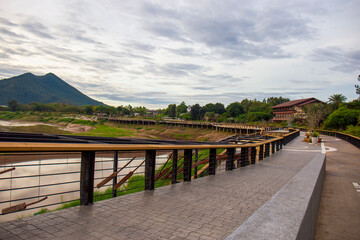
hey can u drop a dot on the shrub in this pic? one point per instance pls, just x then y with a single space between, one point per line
315 134
341 118
353 130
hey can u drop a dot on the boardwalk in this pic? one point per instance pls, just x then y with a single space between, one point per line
207 208
339 215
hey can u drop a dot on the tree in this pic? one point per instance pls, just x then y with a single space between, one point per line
210 116
171 111
234 109
210 107
140 110
220 108
276 100
336 99
195 112
341 118
89 110
13 105
315 114
181 108
357 87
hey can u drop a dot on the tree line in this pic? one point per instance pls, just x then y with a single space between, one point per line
244 111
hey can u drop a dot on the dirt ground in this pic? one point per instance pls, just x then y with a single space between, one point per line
339 215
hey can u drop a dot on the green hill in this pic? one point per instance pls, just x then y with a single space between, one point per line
28 88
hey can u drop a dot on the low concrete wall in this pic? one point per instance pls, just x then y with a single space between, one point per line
292 212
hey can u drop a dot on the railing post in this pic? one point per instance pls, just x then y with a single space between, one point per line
267 149
212 161
196 157
150 157
230 159
115 168
281 143
244 156
272 148
253 155
87 177
187 164
261 153
174 166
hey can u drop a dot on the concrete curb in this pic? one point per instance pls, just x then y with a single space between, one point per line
292 212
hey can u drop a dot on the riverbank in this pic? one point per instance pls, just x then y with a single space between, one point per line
69 126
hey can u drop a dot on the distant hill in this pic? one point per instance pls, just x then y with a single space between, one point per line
28 88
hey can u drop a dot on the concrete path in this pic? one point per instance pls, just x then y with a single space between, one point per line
207 208
339 215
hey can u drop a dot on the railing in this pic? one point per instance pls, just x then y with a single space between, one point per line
59 174
227 127
344 136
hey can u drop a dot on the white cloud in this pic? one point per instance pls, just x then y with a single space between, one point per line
157 52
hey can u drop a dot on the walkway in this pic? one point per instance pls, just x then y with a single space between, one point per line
207 208
339 215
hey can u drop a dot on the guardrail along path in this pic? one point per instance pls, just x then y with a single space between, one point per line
211 207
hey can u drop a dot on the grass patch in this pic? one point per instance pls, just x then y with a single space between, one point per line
84 122
181 135
36 129
107 131
10 115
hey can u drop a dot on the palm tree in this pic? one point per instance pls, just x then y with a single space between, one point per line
336 99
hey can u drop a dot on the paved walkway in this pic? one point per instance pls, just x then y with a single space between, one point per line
339 215
207 208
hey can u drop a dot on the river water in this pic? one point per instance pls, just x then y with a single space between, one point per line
68 169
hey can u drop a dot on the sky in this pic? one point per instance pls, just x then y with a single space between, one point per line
155 53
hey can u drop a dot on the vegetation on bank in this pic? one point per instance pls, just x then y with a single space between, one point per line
336 114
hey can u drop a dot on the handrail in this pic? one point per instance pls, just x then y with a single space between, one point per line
346 134
354 140
69 147
248 155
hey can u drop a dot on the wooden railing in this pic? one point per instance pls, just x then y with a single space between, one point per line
235 156
344 136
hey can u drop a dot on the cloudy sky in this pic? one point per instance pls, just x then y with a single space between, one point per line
153 53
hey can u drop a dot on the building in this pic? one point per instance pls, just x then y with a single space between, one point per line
285 111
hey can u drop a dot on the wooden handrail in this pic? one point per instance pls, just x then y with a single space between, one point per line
69 147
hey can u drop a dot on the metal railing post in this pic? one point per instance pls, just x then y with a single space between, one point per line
212 161
174 166
150 158
230 159
196 159
115 168
87 177
267 149
272 148
244 156
253 155
187 164
261 153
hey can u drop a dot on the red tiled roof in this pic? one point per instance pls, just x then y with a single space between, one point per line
299 102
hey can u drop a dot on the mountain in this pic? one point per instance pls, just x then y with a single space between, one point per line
28 88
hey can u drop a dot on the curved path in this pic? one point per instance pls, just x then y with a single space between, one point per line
339 215
207 208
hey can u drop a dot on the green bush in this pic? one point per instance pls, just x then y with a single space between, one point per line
353 130
341 118
315 134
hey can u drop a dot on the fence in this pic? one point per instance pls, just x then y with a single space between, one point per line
346 137
42 175
237 128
